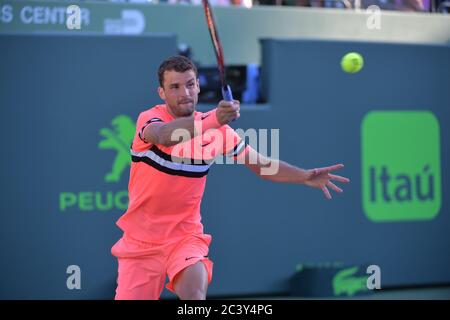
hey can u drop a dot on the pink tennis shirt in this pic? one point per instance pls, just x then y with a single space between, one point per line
167 183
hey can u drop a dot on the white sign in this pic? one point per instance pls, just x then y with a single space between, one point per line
130 22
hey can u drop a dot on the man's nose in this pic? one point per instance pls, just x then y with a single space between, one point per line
186 91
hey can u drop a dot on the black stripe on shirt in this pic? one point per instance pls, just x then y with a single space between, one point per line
141 132
173 172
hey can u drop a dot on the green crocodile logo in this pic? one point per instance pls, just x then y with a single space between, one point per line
119 139
345 283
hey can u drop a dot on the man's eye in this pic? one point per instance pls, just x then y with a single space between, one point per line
190 85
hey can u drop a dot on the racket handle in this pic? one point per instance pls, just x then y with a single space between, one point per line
226 93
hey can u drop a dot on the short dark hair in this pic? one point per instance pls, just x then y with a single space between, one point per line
177 63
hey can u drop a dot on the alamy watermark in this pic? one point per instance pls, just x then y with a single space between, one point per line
74 280
373 21
73 20
374 279
229 147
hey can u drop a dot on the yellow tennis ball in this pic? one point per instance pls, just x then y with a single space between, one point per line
352 62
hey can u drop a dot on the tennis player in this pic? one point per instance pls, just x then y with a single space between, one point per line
172 151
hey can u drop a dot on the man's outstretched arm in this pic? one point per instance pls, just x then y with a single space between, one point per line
281 171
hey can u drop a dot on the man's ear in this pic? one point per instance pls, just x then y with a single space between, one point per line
161 93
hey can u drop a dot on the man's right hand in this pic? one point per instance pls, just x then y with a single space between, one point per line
227 111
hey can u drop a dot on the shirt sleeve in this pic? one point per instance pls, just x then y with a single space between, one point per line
233 145
144 120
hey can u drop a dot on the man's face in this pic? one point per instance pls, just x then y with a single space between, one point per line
180 92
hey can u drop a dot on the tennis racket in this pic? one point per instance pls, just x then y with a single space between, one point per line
226 90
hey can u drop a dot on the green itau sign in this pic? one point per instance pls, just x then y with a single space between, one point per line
401 174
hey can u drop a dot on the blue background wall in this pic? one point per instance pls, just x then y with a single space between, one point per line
58 92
